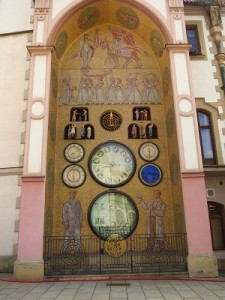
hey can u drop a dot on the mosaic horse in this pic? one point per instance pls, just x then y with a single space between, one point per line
117 51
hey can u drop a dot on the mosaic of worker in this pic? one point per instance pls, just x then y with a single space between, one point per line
156 211
72 216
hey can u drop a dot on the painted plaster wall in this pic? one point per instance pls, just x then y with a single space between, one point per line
218 184
160 5
12 85
202 70
8 195
13 61
15 15
58 5
13 55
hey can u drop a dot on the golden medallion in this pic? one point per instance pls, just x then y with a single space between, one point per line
115 245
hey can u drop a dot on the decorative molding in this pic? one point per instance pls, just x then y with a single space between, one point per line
220 57
192 175
16 33
41 7
179 46
21 160
205 3
176 3
11 171
33 178
16 226
18 202
38 48
41 17
176 7
177 13
23 137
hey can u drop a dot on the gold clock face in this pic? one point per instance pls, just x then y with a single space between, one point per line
110 120
112 164
73 176
74 152
148 151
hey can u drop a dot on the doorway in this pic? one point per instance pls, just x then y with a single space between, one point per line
216 218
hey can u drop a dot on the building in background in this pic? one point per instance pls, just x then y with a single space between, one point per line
112 131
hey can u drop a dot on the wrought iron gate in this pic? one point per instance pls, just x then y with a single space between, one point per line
136 254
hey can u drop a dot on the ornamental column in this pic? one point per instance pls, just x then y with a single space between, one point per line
201 260
29 263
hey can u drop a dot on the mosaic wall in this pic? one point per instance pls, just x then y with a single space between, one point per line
111 100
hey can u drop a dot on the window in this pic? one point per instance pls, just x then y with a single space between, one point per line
193 39
206 138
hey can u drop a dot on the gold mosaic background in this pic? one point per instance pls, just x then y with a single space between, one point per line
98 23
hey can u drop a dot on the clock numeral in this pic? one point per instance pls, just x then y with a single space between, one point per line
124 175
107 149
100 153
108 180
127 159
100 175
96 160
96 168
115 149
116 180
123 153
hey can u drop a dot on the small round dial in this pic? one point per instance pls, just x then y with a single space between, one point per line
74 152
73 176
112 164
148 151
150 174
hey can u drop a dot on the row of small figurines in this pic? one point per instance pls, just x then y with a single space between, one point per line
134 131
141 131
85 132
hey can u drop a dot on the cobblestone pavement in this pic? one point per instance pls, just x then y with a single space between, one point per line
142 289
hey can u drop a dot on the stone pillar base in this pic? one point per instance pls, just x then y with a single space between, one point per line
202 265
29 270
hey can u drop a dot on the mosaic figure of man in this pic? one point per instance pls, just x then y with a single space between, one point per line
156 211
72 217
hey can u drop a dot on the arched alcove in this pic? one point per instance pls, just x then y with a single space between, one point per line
110 57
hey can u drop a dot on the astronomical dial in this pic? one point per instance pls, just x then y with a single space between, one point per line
73 176
74 152
148 151
112 164
150 174
110 120
113 212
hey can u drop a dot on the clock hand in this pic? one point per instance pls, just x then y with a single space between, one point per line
75 153
111 172
105 166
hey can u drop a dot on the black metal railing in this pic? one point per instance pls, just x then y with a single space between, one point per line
136 254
